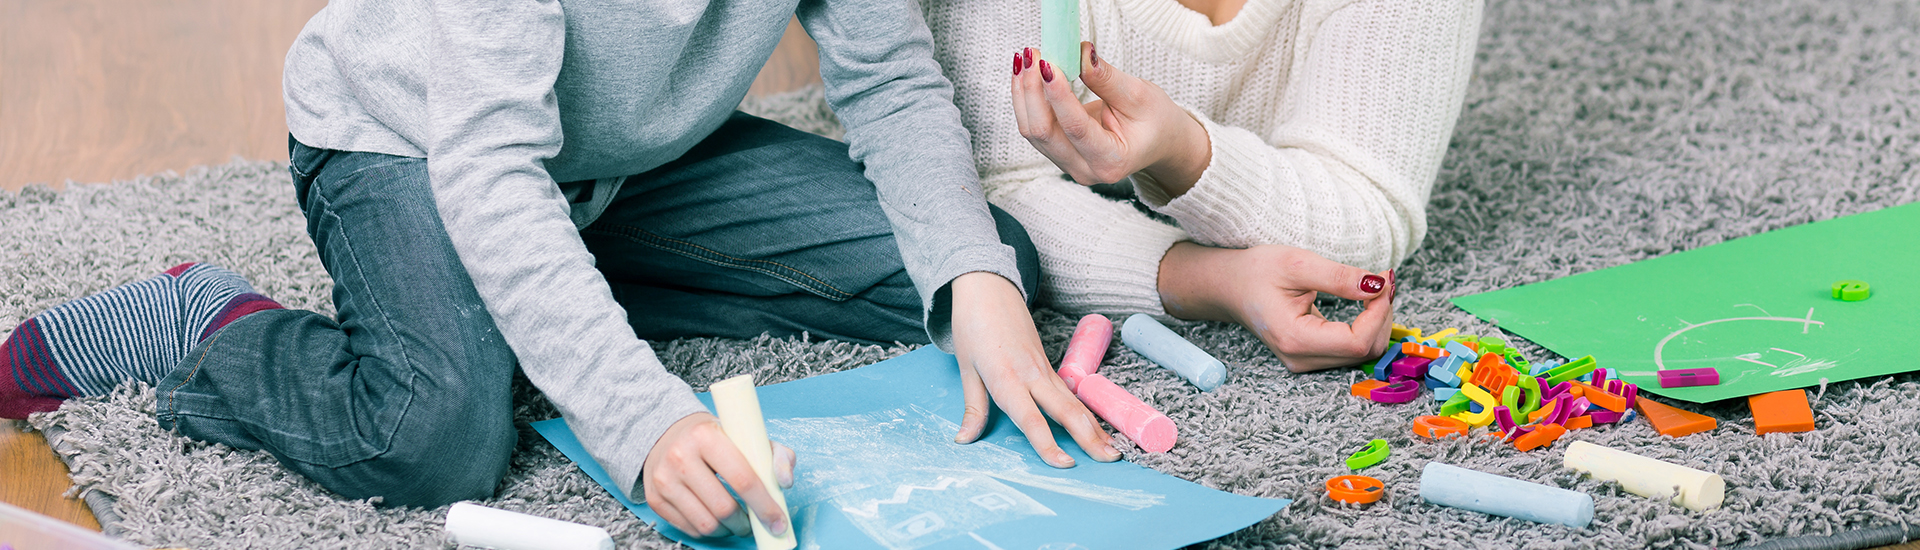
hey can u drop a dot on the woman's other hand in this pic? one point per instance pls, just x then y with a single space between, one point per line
1270 290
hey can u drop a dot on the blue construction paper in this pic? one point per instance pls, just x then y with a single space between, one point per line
878 468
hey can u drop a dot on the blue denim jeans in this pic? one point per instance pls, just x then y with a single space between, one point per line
406 393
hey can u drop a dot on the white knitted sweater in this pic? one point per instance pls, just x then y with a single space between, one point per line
1328 120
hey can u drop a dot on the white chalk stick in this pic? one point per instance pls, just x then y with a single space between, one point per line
475 525
1499 495
1648 477
1086 349
1159 343
738 406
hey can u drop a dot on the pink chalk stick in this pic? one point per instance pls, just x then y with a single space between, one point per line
1149 429
1086 349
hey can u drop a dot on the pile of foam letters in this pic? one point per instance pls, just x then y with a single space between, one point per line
1479 381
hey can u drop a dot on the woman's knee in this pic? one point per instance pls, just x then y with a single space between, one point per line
1026 256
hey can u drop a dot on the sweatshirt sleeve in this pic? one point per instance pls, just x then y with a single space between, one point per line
493 122
1350 165
876 59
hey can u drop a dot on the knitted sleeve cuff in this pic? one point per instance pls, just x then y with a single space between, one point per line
1237 186
1097 255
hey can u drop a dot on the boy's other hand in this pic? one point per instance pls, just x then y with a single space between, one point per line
1000 356
682 476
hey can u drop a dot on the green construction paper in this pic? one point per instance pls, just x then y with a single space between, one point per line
1759 309
1060 35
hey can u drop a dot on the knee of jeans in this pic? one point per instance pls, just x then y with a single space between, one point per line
1026 256
455 441
461 459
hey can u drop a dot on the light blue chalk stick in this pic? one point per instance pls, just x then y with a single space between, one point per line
1150 338
1463 352
1465 489
1060 35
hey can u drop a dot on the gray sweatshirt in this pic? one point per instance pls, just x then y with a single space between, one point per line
505 98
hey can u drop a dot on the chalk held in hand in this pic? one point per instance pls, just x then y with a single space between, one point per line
1149 429
1060 35
475 525
738 406
1458 487
1086 349
1160 345
1648 477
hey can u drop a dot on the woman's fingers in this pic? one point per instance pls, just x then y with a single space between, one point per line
1104 156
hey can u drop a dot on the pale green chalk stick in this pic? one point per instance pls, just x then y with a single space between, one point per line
1060 35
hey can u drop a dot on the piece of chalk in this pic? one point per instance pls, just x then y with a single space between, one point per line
1458 487
1149 429
1648 477
475 525
1681 378
738 406
1060 35
1159 344
1086 349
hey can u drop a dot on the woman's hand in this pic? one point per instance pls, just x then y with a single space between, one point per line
1133 127
1270 290
680 483
1000 355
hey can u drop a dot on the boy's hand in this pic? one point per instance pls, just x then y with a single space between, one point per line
1000 355
680 483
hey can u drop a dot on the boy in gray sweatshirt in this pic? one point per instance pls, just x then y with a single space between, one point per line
549 184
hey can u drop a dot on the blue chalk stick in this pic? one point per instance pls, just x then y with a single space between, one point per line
1443 394
1463 352
1465 489
1159 344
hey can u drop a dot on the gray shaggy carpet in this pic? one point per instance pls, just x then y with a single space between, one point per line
1595 133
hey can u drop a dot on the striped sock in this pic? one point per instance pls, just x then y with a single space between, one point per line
137 331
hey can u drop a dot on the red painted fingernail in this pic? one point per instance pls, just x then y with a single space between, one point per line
1046 71
1016 64
1027 57
1093 54
1372 283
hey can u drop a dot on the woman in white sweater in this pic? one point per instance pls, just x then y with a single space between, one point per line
1293 144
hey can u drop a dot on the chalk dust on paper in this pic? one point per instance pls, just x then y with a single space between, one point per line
898 477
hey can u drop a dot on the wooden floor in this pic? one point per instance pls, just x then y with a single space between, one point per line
99 90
